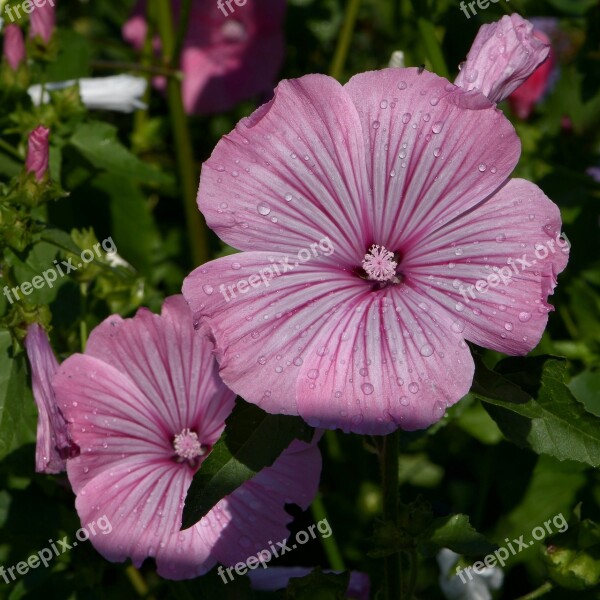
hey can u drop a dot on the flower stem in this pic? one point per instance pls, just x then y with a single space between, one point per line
541 591
390 457
334 556
343 45
197 232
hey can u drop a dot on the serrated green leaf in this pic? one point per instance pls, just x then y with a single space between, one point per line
454 532
530 402
586 388
253 440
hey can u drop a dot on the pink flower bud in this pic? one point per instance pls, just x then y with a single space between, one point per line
503 55
14 46
43 20
37 152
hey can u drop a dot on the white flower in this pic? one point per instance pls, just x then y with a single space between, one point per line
397 59
471 586
121 93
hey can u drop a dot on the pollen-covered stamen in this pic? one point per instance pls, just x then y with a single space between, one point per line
188 446
379 264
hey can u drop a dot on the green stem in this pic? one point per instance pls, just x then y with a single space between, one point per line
341 52
83 328
197 232
12 151
433 47
390 464
146 68
541 591
412 581
334 556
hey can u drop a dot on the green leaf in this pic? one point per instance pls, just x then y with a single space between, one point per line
252 441
98 143
586 388
532 405
17 409
73 59
454 532
574 7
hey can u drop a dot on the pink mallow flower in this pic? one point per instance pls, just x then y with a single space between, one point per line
38 152
54 444
228 56
145 404
43 21
407 176
523 100
503 55
14 46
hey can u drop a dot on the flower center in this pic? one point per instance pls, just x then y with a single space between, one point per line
379 264
188 447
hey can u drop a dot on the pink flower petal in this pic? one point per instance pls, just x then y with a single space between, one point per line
503 55
14 46
277 183
54 445
499 234
425 153
304 346
235 533
161 355
38 155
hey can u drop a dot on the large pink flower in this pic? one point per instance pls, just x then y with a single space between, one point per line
407 177
145 404
54 444
227 56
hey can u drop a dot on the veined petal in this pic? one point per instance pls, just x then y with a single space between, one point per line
143 502
317 330
431 156
170 364
513 241
54 443
277 183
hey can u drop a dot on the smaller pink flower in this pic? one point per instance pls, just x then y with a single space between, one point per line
54 444
43 21
146 405
38 153
226 58
503 55
14 46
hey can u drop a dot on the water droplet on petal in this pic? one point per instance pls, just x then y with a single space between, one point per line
437 127
426 350
524 316
458 326
376 124
482 167
508 326
367 388
383 104
402 85
413 387
438 410
406 118
208 289
313 374
263 209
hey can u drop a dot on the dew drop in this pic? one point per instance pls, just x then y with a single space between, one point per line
426 350
376 124
482 167
437 127
208 289
413 387
262 360
458 326
288 197
313 374
367 388
501 238
524 317
406 118
383 104
426 117
459 306
402 85
298 361
434 101
236 266
508 326
263 209
404 401
438 410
